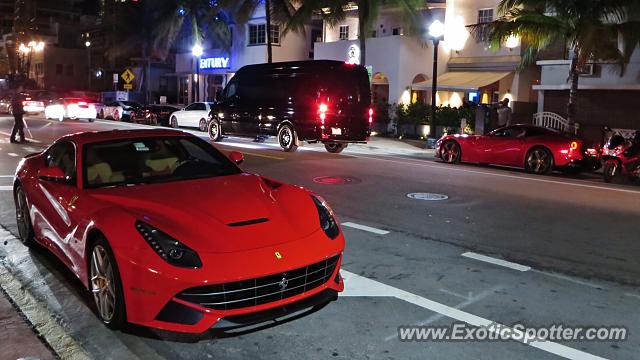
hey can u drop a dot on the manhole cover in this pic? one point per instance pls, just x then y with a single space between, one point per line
336 180
427 196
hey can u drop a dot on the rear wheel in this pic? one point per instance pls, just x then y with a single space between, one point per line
214 130
335 148
116 115
173 122
539 161
202 126
611 170
450 152
106 285
23 217
287 138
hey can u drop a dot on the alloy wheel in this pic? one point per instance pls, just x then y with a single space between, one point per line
203 125
450 152
214 130
103 283
22 215
539 161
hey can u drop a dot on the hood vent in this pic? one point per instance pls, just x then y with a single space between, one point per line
248 222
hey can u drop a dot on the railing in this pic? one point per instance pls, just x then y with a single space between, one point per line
550 120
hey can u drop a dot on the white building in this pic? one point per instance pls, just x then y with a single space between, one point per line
216 66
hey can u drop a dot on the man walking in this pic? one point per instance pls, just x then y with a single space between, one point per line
18 112
504 113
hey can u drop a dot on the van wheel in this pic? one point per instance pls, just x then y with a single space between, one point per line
335 148
214 130
287 138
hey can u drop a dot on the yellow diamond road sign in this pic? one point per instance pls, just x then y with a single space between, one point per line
128 76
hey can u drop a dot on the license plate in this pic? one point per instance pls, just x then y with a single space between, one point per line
336 131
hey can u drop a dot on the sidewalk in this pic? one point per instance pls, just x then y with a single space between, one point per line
18 339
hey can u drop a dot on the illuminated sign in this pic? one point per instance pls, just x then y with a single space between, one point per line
353 54
214 63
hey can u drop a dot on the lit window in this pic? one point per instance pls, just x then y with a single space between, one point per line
275 34
257 34
344 32
485 16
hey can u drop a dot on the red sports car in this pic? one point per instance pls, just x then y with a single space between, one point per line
536 149
167 232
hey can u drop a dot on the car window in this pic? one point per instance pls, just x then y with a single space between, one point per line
63 155
231 89
510 132
200 106
536 131
152 160
191 107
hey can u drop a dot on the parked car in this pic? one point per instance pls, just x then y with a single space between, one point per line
119 110
538 150
194 115
70 108
156 114
5 104
30 105
117 207
315 101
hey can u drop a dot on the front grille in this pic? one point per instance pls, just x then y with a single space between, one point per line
263 290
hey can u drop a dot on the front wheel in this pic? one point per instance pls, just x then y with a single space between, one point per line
287 138
214 130
173 122
611 170
106 285
202 126
539 161
450 152
23 217
335 148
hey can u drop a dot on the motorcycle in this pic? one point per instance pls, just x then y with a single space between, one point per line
621 159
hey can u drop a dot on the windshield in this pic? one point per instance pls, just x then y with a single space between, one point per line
152 160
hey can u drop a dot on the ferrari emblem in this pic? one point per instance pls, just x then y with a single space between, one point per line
278 255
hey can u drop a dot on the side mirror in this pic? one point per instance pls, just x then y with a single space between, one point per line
51 174
236 157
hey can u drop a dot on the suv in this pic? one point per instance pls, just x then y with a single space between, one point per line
314 101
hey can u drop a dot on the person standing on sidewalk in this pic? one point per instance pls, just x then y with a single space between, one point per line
18 112
504 113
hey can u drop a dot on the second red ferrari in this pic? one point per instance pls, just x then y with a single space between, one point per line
536 149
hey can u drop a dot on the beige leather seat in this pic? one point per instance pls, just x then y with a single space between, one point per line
101 173
162 166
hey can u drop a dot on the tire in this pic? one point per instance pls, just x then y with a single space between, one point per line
202 125
451 152
91 120
335 148
539 161
173 122
287 138
214 130
611 170
105 285
116 116
23 217
101 114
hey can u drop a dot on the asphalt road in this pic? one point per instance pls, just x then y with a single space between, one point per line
572 246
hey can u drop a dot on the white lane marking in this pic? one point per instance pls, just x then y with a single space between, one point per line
30 139
632 295
6 176
469 301
359 286
499 262
365 228
571 279
13 154
460 169
46 326
6 188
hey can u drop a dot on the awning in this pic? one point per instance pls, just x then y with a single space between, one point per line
463 80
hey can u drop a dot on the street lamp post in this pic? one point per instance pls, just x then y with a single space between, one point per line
27 52
436 33
197 52
87 44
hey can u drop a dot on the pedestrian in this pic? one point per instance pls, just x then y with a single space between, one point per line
18 112
504 113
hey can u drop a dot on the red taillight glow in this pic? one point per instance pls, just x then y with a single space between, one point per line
574 145
28 99
322 112
323 108
82 103
370 116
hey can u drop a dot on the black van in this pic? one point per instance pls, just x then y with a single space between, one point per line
315 101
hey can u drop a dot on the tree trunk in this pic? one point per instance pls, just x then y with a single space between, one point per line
362 36
574 76
267 10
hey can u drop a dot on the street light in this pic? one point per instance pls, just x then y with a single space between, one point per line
197 51
87 44
436 33
27 51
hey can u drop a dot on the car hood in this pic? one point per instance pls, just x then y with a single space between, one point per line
221 214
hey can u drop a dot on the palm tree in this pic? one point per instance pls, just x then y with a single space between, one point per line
590 29
276 11
333 12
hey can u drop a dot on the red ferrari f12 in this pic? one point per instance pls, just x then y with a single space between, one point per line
167 232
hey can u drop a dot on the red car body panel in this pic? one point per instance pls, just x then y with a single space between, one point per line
195 212
512 151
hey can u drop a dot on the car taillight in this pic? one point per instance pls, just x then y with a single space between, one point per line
82 103
574 145
322 113
370 116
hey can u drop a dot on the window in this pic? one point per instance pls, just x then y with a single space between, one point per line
484 16
373 33
69 69
58 69
344 32
63 156
231 89
191 107
257 34
397 31
275 34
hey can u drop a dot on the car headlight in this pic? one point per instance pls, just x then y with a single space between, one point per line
327 221
168 248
